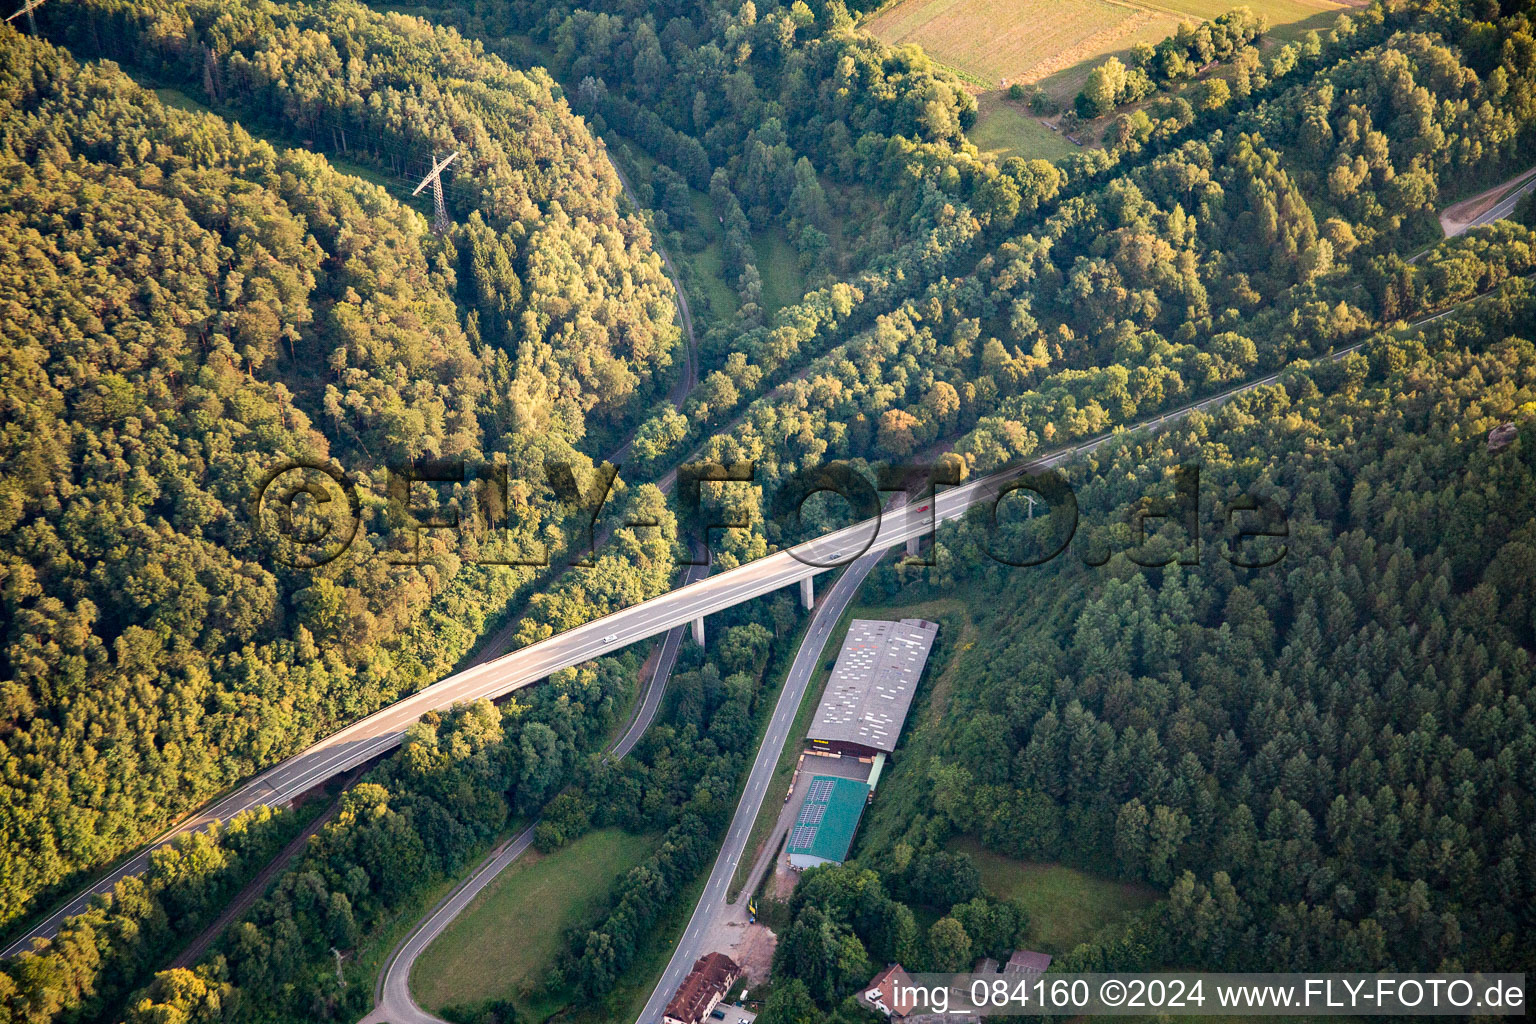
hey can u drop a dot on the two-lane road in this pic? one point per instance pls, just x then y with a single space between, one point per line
1481 210
392 994
713 900
384 729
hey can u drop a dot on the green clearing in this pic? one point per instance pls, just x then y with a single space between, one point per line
375 177
655 949
364 966
701 257
1066 906
509 936
1005 129
708 263
783 281
180 100
1019 40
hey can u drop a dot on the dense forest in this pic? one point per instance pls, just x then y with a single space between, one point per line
103 955
1201 266
1329 762
422 815
560 283
1323 763
188 305
1230 38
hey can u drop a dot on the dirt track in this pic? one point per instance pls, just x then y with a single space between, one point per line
1494 204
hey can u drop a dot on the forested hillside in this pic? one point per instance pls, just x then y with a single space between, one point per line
185 306
1193 268
561 284
1328 762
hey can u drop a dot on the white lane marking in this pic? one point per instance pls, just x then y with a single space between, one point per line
438 695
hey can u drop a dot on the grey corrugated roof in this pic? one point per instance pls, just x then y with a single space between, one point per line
873 682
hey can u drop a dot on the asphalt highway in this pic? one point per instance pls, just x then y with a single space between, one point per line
392 1002
392 998
712 901
1504 207
1499 210
384 730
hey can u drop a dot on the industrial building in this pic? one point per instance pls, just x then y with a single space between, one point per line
823 830
871 687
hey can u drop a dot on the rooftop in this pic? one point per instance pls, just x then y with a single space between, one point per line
1027 961
891 991
873 683
712 975
828 818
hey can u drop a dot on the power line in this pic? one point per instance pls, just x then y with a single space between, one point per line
32 5
435 179
403 156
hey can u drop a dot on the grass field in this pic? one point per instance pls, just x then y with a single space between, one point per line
502 945
1054 44
180 100
783 283
1004 129
714 297
707 279
1066 906
1020 40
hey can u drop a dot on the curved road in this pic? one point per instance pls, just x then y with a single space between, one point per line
383 730
712 902
392 1002
276 786
1509 193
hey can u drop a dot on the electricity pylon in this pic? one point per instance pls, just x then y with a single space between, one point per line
32 5
435 179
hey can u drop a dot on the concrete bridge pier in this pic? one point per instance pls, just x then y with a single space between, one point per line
698 631
808 592
914 544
